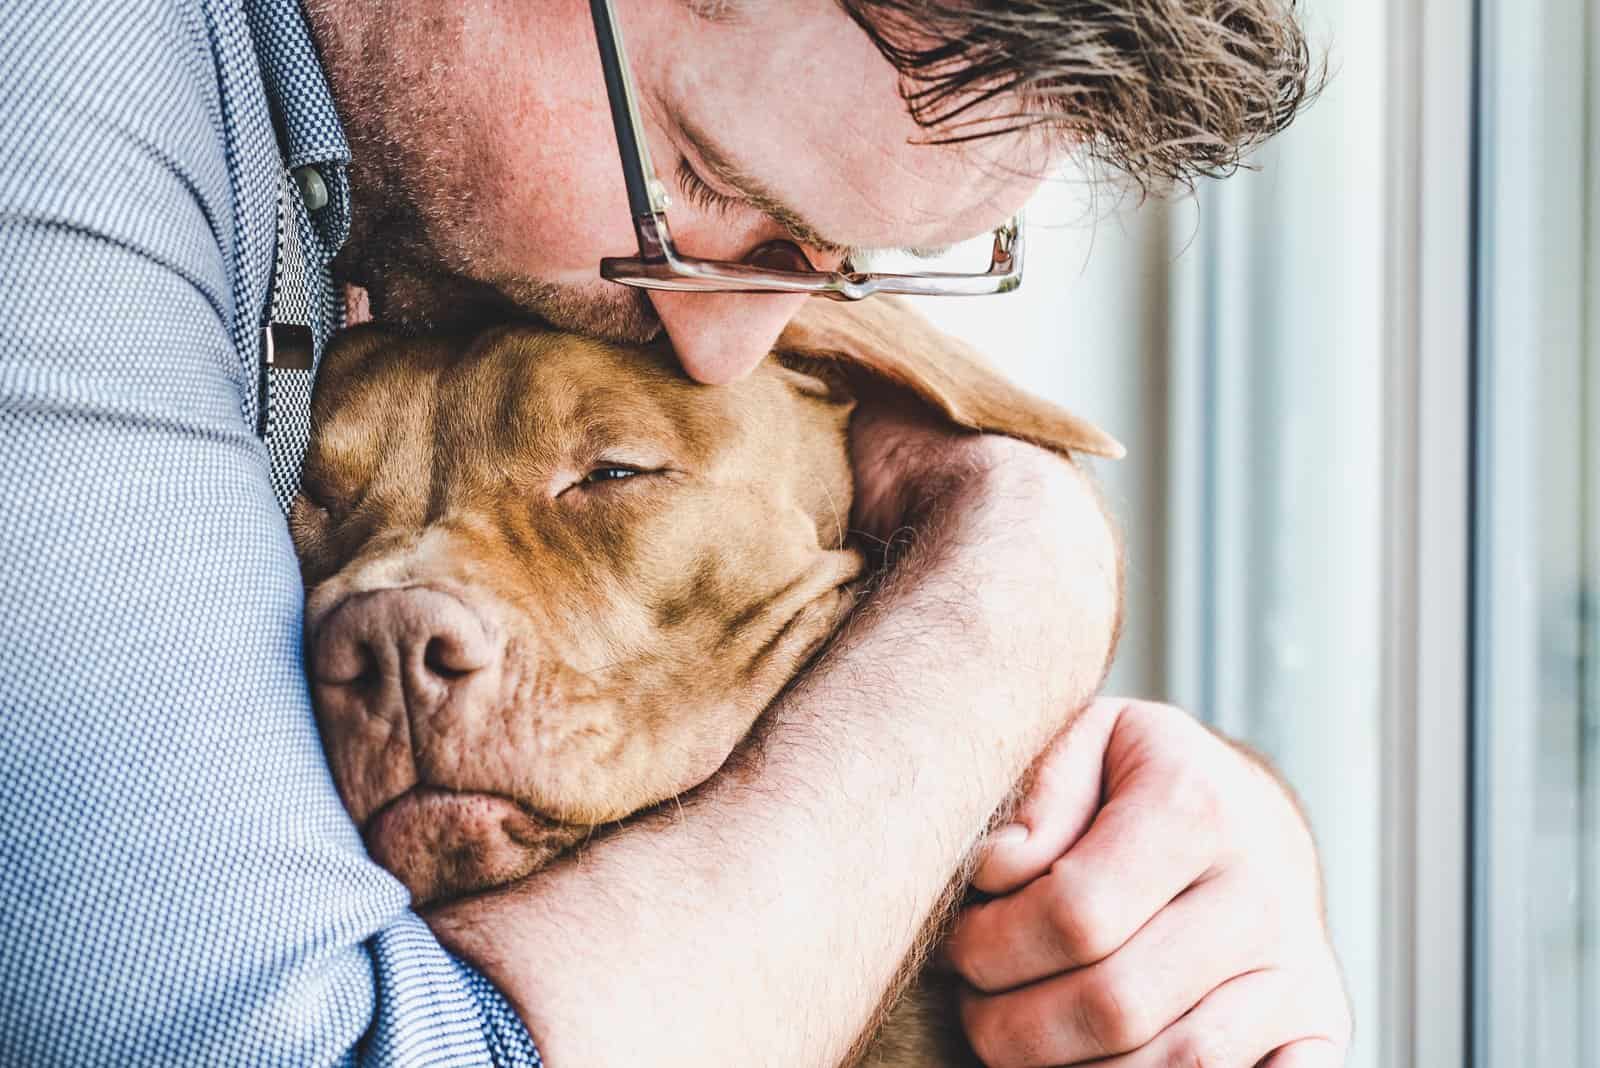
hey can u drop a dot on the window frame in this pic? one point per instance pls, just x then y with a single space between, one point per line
1431 208
1533 526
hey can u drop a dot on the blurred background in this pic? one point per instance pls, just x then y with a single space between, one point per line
1360 387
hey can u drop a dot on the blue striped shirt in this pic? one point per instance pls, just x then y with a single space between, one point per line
178 881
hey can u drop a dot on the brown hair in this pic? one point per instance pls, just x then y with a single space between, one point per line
1165 91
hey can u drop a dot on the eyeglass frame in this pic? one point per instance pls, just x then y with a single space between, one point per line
659 265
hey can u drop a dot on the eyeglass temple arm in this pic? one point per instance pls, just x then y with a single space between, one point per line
637 171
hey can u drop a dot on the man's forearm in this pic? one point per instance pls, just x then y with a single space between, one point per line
761 921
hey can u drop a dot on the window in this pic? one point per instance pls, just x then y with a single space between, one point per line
1361 392
1536 773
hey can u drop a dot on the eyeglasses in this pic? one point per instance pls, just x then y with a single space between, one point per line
660 265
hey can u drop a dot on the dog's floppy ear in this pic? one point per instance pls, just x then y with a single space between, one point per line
892 341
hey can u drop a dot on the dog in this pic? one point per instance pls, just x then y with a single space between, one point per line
552 582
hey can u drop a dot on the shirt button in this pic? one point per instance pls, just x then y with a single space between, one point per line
313 190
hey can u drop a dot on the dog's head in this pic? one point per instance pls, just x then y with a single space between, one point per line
551 581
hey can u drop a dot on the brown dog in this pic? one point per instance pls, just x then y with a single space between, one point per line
552 582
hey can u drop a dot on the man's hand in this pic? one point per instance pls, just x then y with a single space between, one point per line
1162 904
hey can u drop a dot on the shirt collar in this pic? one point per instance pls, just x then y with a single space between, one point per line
302 107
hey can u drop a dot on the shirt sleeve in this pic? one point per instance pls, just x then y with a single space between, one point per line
179 883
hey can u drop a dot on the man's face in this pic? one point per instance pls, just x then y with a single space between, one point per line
486 173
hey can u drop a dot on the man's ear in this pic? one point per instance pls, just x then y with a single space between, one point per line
891 341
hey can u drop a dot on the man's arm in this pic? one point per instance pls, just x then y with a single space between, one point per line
178 881
761 922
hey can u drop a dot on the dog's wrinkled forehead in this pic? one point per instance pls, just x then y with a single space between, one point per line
504 424
524 392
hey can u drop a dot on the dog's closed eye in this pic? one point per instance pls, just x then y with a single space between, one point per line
608 475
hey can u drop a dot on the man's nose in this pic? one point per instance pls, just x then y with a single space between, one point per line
721 337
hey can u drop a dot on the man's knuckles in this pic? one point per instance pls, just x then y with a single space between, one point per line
1158 722
1208 1047
980 953
1190 805
1023 1029
1099 1011
1070 914
1002 1036
1116 1011
1219 801
1085 919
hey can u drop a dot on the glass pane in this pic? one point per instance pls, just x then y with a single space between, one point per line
1537 763
1236 346
1281 356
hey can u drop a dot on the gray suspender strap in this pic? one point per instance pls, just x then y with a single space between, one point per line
287 351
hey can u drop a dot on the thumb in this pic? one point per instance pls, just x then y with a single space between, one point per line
1060 798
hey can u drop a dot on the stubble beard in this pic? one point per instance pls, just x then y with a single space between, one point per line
419 243
421 273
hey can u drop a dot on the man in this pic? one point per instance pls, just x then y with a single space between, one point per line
179 882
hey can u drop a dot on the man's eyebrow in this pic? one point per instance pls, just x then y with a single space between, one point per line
756 192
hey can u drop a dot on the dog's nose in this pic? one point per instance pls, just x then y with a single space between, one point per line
394 674
411 646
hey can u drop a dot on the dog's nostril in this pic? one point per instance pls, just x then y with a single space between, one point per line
337 660
393 643
445 659
369 674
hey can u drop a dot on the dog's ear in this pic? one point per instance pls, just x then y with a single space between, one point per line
892 341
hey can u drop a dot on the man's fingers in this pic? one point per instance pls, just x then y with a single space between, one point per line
1119 875
1062 794
1126 1000
1243 1021
1309 1053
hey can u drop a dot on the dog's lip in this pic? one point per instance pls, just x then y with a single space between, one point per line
424 796
444 843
